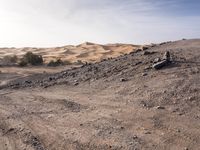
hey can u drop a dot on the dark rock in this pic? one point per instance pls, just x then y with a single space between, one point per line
123 79
163 43
144 74
148 132
135 137
28 81
166 61
160 64
146 53
145 48
76 83
136 51
166 56
160 107
50 79
137 63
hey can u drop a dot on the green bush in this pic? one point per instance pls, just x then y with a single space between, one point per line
66 62
10 59
23 63
56 63
33 59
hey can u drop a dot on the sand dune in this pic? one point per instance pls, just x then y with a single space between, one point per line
86 52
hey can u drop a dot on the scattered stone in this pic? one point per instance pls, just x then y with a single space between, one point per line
163 43
148 132
123 79
146 53
164 92
160 107
181 114
51 78
28 81
190 98
137 63
8 131
153 45
166 56
156 60
147 68
144 105
135 51
145 48
76 83
160 64
135 137
122 128
144 74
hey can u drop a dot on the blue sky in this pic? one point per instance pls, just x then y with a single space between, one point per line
46 23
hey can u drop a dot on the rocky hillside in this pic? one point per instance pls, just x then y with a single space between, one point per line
182 53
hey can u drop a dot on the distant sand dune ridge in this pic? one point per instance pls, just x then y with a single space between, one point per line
86 52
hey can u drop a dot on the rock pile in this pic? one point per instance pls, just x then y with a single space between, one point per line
158 64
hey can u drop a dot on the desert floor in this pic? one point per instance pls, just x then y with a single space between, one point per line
120 103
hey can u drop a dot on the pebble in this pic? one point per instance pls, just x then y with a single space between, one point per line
156 60
148 132
144 48
123 79
135 137
160 107
144 74
122 127
76 83
146 53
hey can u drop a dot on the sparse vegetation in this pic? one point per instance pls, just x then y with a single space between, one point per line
23 63
32 59
10 59
66 62
58 62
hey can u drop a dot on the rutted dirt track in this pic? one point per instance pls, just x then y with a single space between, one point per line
91 108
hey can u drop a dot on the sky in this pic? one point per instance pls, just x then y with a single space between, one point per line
47 23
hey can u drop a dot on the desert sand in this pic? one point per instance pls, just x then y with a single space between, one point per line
119 104
86 52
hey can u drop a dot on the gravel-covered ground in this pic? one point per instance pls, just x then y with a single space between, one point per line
119 103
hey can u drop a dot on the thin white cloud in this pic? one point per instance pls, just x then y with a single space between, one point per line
61 22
